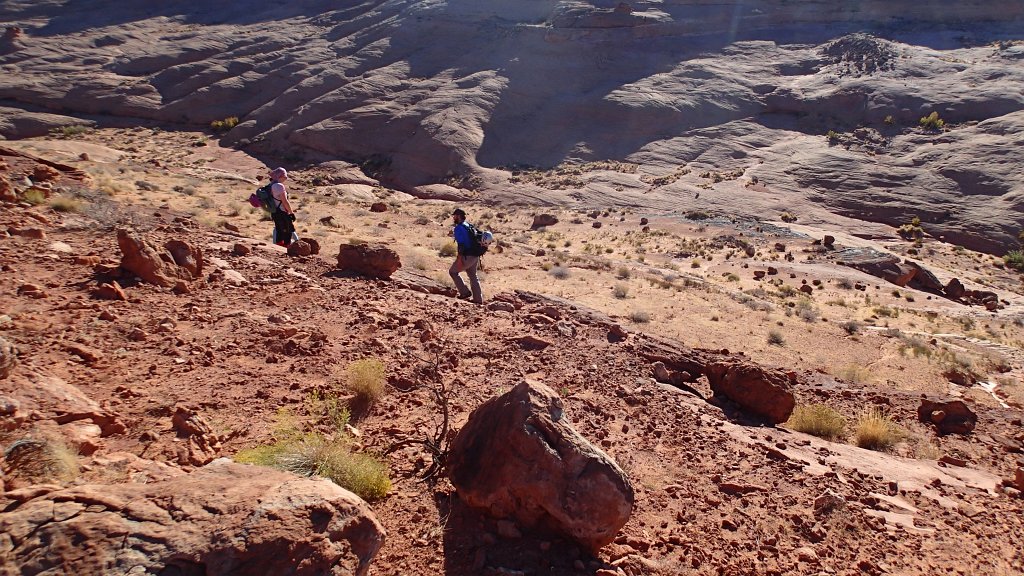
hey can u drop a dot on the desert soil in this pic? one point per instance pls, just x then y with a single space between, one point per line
716 493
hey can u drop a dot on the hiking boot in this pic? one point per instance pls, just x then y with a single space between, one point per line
465 296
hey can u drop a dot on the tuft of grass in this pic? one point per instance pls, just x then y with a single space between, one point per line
622 273
787 217
875 430
315 455
225 124
932 122
855 374
34 196
70 131
620 291
560 272
640 316
818 420
366 379
40 461
448 249
851 327
327 406
775 338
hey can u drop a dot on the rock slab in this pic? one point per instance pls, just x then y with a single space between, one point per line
224 518
373 260
760 391
519 457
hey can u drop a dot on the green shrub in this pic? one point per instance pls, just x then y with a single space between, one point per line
224 125
1015 259
327 406
832 136
70 131
817 420
932 122
851 327
787 217
889 120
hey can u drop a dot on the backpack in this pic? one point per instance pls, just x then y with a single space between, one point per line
479 240
263 198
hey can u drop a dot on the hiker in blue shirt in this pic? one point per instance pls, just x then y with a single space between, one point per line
466 261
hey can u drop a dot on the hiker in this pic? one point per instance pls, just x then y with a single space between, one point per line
282 213
465 261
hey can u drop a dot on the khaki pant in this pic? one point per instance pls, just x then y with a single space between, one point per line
467 264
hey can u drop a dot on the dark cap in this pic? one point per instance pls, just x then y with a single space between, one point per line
459 212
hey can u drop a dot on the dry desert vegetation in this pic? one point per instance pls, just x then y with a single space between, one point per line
745 332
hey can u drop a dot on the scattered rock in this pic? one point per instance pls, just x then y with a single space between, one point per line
32 291
300 248
34 233
373 260
807 289
828 241
953 417
240 249
643 221
378 207
955 289
227 518
531 342
501 307
8 358
596 224
542 220
111 291
519 457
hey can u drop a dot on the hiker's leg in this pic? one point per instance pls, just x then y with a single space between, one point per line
454 273
472 263
289 229
281 234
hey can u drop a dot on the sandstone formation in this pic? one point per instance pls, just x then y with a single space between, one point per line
373 260
747 88
222 519
519 457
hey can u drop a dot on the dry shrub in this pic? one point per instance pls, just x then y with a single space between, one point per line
366 379
314 454
40 461
66 204
448 249
817 420
877 431
620 291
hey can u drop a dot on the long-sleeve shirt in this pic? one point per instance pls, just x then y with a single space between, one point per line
462 238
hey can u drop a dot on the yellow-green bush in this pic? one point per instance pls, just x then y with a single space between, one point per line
817 420
40 461
366 379
876 430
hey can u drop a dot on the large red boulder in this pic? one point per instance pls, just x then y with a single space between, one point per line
373 260
222 519
763 392
518 457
